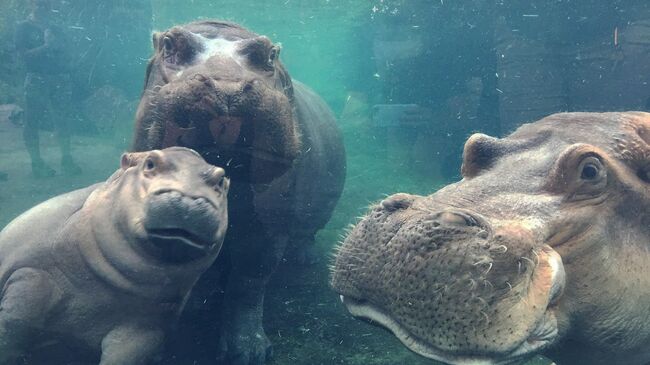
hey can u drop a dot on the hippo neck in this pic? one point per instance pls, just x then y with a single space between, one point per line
116 264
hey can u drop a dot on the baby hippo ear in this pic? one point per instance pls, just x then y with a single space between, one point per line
131 159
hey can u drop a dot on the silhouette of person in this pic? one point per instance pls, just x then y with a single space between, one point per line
48 90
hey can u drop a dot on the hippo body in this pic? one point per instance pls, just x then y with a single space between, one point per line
542 247
220 89
104 271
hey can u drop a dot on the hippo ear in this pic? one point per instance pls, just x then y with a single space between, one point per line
274 53
155 39
479 154
131 159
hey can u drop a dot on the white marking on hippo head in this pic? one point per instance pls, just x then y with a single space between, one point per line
218 46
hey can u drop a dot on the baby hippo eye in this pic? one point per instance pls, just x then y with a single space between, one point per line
149 164
591 169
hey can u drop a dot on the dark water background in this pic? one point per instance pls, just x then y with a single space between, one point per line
469 65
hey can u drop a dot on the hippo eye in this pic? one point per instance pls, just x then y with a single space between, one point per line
592 180
591 169
644 174
149 164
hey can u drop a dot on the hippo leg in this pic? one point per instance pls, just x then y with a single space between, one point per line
242 340
27 298
131 345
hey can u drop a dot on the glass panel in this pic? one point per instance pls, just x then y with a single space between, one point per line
505 249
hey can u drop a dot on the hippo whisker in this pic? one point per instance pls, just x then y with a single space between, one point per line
536 257
487 318
509 286
488 269
528 260
482 301
472 284
499 249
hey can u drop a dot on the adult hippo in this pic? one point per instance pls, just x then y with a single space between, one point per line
543 247
222 90
104 271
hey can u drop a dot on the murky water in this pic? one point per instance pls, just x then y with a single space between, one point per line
408 81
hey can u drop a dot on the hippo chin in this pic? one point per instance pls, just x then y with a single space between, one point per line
221 89
542 248
105 270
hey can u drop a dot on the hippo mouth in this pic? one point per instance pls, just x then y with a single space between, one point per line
158 236
543 333
223 141
223 131
181 228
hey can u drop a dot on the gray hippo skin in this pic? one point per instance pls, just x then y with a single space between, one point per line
220 89
108 268
542 247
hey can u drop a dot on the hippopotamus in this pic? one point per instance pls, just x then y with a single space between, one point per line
105 270
541 248
222 90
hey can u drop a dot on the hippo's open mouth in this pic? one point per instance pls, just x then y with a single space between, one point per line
220 130
222 143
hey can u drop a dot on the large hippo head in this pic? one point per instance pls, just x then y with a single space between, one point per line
543 243
220 89
168 205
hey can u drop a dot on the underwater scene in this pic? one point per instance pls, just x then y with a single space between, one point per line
334 182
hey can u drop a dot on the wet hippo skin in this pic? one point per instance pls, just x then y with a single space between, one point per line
542 247
220 89
104 271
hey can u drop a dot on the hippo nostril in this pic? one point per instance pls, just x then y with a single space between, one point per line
201 78
457 219
248 86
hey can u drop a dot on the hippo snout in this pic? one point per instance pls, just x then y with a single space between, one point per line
183 227
451 284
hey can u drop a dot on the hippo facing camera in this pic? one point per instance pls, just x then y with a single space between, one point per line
106 269
537 250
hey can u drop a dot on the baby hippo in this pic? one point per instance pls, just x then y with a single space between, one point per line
107 268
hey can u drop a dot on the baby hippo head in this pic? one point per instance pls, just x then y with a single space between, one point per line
172 205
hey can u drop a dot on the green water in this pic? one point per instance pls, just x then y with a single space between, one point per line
335 47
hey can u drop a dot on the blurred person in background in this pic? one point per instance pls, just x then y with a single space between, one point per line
41 44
